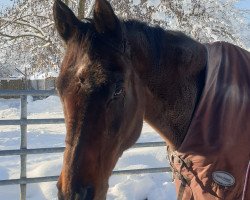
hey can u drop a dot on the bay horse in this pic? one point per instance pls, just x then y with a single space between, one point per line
117 73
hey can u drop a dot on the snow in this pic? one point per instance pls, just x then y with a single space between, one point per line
157 186
153 3
136 2
43 75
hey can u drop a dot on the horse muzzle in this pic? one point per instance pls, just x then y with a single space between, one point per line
86 193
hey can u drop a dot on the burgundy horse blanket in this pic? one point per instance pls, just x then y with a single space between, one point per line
213 161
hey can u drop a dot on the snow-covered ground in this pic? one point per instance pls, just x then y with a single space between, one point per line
132 187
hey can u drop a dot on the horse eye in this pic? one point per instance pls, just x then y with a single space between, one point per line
118 92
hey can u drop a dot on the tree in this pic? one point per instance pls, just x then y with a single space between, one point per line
26 35
206 21
28 38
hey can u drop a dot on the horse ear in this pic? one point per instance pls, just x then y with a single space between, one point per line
65 21
105 20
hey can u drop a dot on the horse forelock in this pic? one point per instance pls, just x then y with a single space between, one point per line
90 61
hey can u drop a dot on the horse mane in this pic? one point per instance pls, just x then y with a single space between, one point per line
155 33
174 43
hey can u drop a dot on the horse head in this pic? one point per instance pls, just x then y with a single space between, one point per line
102 98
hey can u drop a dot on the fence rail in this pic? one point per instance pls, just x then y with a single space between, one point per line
4 93
24 151
18 152
31 121
55 178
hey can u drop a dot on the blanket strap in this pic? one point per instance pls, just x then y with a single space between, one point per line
181 192
173 157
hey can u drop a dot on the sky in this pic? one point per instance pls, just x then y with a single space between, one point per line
244 4
5 3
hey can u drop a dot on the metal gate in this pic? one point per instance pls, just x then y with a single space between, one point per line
24 151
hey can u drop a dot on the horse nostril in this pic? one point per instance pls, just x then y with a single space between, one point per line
86 193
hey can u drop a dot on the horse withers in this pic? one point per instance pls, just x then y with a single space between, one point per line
117 73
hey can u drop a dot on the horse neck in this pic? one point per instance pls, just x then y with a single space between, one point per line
172 67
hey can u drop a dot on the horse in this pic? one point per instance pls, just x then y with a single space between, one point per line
117 73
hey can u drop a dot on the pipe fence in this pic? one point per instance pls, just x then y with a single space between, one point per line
23 122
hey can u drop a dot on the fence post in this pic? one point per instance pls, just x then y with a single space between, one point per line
23 144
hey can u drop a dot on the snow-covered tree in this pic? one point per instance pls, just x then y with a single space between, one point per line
28 37
204 20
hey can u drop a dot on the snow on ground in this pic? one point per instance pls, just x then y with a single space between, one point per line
131 187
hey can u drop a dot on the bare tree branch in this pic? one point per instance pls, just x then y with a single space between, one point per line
12 37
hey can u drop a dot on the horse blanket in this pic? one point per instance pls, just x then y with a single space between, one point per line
213 160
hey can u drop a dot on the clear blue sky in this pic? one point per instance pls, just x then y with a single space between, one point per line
244 4
5 3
